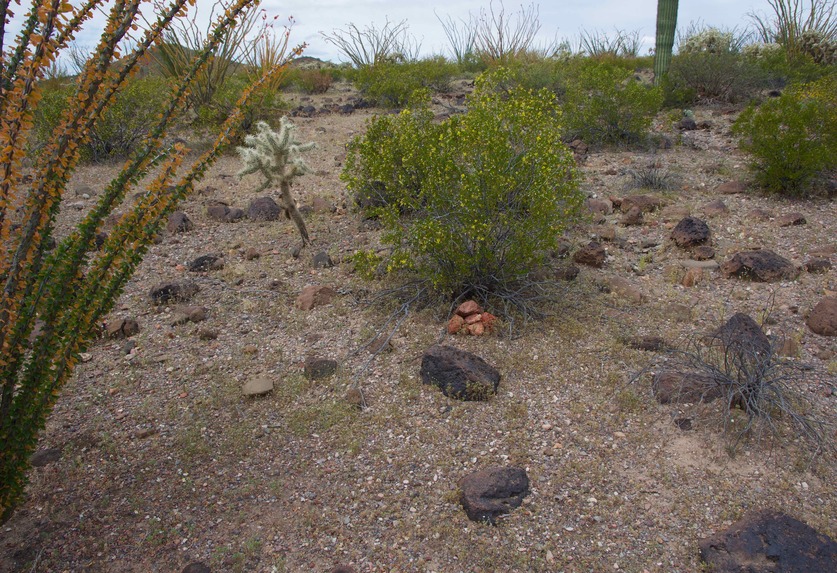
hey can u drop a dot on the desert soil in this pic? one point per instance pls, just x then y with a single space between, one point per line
164 462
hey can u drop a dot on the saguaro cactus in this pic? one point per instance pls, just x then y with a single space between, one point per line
666 26
277 157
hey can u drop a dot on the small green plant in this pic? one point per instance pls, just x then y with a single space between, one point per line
392 84
471 205
792 138
366 263
605 104
313 81
277 158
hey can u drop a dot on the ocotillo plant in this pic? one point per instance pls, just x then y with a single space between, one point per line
276 156
70 288
666 26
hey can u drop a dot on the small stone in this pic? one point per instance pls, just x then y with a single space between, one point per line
322 261
257 386
823 317
690 232
791 220
354 397
318 368
593 255
633 217
206 263
263 209
251 253
313 296
179 222
715 208
761 265
731 188
487 494
818 265
207 334
45 456
196 567
455 324
468 308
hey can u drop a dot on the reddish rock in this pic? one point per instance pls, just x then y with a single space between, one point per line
715 208
473 318
731 188
600 206
692 277
122 328
489 321
646 203
633 217
592 255
314 295
759 214
823 317
455 324
703 253
179 223
476 329
468 308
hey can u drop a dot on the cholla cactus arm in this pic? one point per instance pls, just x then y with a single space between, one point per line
276 156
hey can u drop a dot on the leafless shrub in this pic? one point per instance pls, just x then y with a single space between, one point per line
598 44
461 37
746 374
652 178
371 45
499 36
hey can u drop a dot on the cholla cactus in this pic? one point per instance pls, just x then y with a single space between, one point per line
277 157
709 41
820 48
761 51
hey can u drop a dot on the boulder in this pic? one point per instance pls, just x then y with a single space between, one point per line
599 206
263 209
468 308
322 261
179 222
823 317
592 255
122 328
690 232
646 203
459 374
489 493
760 266
168 292
314 295
741 335
768 541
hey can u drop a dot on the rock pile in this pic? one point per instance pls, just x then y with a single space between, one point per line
470 318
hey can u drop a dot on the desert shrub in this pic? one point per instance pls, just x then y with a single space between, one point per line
313 81
606 104
792 138
802 27
123 125
709 77
391 84
598 43
387 161
474 203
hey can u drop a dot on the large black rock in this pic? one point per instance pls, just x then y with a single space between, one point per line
768 541
459 374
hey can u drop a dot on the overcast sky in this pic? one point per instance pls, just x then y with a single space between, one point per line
559 18
564 18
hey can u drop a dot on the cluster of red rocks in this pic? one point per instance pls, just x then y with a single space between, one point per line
470 318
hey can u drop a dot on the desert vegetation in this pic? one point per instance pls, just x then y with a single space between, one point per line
187 377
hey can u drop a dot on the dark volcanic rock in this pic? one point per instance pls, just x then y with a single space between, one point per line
459 374
263 209
768 541
196 567
492 492
690 232
317 368
168 292
742 334
322 261
761 266
206 263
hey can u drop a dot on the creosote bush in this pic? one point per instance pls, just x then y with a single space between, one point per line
474 203
604 104
792 138
391 84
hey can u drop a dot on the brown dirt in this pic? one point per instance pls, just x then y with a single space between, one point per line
165 462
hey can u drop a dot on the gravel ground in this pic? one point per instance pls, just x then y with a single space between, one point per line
164 462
